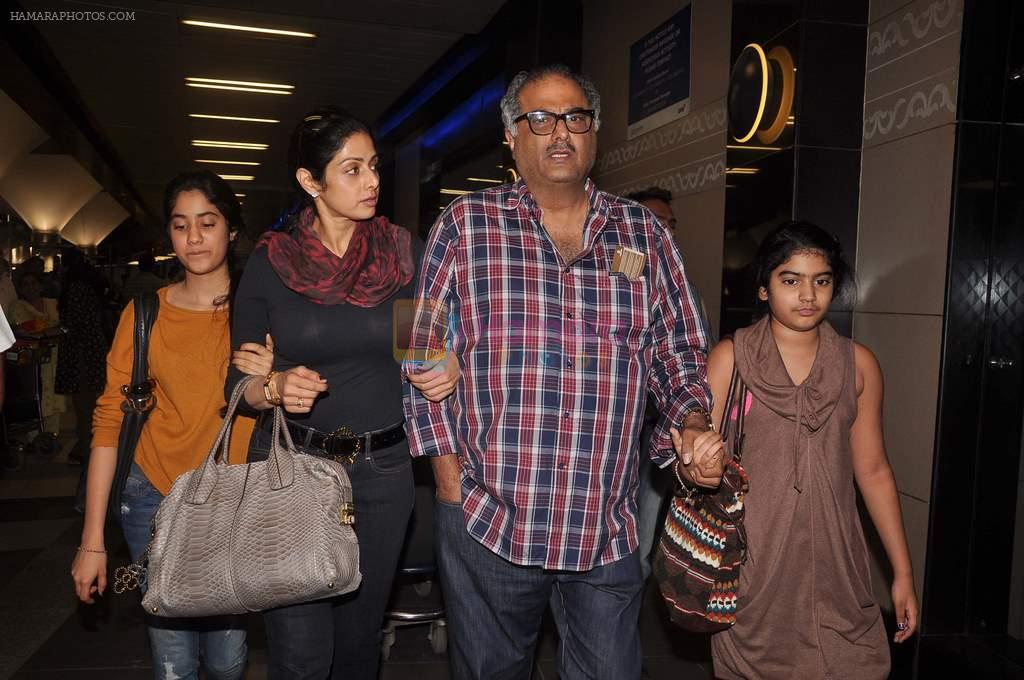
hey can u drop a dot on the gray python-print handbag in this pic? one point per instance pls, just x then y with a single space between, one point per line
231 539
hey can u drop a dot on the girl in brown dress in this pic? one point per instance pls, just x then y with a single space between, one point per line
813 428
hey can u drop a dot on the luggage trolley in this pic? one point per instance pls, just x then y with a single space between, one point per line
416 595
23 398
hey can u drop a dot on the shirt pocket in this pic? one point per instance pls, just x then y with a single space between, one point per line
623 310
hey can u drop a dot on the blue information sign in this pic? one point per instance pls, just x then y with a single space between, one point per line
659 75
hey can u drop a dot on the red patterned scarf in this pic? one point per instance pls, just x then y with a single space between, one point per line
377 264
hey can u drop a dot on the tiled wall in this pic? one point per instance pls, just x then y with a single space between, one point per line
913 59
687 156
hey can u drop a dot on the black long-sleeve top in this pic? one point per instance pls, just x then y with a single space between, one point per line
353 347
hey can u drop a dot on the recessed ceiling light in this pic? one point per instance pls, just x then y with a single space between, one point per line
484 180
217 144
248 29
238 178
241 119
210 160
240 195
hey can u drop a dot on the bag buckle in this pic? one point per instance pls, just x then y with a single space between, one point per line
139 397
347 514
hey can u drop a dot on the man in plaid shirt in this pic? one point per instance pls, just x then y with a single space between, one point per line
564 305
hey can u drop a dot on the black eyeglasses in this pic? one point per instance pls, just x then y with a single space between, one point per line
577 121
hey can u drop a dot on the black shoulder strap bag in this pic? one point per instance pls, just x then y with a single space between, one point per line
139 400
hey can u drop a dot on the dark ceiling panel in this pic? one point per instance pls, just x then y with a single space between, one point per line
131 76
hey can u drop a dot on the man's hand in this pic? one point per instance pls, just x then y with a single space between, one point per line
438 381
700 455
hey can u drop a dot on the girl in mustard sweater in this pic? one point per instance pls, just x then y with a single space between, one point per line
190 346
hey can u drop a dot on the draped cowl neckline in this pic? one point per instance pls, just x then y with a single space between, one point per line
808 405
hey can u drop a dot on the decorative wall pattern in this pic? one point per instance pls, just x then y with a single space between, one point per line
918 25
691 128
689 179
915 107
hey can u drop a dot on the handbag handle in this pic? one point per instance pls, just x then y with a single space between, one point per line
280 468
736 384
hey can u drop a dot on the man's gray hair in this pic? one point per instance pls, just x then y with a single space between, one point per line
510 106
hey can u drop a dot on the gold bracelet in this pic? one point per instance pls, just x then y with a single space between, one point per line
270 392
90 550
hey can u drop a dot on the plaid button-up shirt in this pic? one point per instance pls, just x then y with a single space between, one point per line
557 359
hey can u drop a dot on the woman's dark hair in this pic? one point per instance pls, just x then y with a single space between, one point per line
76 269
315 141
218 192
791 238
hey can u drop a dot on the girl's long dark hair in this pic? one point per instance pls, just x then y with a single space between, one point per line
218 192
794 237
314 142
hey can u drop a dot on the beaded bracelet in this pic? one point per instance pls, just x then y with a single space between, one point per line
688 490
90 550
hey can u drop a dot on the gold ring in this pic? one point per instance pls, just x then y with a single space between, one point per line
299 402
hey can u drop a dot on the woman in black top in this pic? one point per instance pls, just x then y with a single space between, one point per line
327 290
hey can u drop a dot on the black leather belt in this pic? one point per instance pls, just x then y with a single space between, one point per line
342 445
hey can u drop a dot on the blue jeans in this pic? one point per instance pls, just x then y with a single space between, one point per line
178 644
340 637
494 611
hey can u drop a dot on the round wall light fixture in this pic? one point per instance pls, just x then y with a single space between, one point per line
761 89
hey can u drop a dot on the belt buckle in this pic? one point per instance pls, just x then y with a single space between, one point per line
344 431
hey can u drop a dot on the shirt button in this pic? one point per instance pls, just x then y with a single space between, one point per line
568 315
565 414
568 363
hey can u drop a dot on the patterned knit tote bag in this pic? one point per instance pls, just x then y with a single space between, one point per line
703 544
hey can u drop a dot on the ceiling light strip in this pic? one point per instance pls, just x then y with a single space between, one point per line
241 119
218 144
243 83
210 160
248 29
237 89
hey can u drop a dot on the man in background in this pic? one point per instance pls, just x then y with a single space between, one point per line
655 484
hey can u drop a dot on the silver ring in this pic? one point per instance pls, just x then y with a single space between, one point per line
299 402
901 626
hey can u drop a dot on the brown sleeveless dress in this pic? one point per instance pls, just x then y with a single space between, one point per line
806 608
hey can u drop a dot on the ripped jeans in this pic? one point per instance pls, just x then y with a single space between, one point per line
179 644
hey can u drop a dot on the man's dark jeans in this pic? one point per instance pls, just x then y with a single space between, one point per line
495 608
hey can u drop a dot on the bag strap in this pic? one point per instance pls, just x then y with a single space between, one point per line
147 306
138 395
138 399
280 465
723 427
737 393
